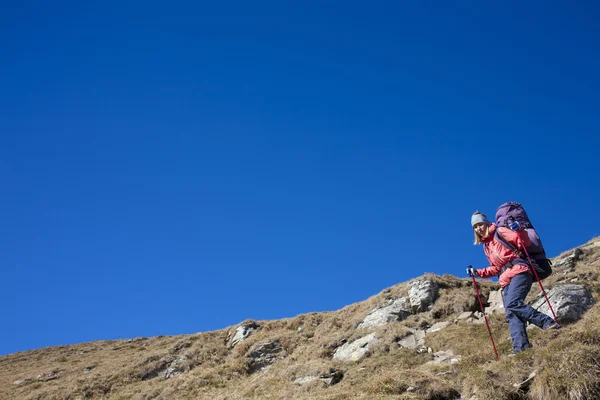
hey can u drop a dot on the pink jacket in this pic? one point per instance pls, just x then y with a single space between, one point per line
498 254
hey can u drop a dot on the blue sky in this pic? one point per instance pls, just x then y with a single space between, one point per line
177 168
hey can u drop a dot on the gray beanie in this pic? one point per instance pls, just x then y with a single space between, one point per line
478 217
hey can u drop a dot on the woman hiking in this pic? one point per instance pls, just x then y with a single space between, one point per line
514 274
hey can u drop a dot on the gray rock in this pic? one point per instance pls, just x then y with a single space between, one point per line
422 293
444 357
331 378
356 350
241 333
569 302
478 318
305 379
567 262
438 326
395 311
49 376
495 302
177 367
465 315
413 340
22 381
262 355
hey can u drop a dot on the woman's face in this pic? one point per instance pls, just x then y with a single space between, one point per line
481 229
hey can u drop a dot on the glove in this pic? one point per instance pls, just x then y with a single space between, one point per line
514 226
471 271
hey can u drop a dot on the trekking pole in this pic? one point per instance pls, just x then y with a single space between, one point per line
539 281
484 316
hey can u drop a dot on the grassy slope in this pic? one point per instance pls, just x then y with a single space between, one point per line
567 361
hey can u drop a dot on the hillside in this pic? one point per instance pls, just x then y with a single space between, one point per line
421 339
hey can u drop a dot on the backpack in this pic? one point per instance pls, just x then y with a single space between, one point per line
513 211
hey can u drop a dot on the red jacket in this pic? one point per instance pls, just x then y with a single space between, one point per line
498 254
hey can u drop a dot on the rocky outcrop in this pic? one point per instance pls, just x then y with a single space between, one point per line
395 311
569 302
166 367
567 263
262 355
356 350
422 293
177 367
241 333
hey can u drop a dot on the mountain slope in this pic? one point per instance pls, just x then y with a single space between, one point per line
416 340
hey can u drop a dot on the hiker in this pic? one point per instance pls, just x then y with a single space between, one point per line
515 277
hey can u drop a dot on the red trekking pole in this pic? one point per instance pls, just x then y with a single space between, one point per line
484 316
540 282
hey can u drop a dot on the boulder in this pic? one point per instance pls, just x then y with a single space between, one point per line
356 350
569 302
495 302
422 293
395 311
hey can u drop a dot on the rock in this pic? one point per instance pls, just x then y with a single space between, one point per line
422 293
305 379
465 315
356 350
478 318
22 381
438 326
166 367
567 263
88 369
330 378
241 333
177 367
495 302
413 340
569 302
395 311
262 355
444 357
49 376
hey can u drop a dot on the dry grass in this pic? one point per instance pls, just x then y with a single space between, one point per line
567 361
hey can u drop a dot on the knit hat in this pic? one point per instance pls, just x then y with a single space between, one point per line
477 218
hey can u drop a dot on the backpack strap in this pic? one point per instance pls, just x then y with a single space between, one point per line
519 260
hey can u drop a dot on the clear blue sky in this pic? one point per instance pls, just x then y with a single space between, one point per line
170 168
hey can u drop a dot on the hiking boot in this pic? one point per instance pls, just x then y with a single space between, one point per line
552 326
